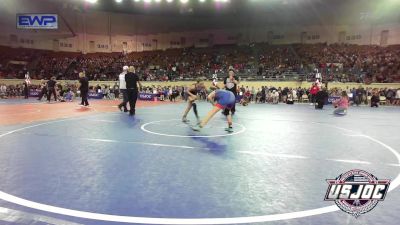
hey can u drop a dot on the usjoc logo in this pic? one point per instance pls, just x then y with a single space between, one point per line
37 21
356 192
145 96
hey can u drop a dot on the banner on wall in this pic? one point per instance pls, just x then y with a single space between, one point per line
335 98
332 99
147 97
95 95
142 96
37 21
34 93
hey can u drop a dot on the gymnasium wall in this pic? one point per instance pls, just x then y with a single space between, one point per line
88 43
255 84
111 32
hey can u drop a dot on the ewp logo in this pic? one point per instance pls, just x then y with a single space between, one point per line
37 21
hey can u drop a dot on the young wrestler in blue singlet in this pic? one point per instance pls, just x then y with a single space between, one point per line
220 99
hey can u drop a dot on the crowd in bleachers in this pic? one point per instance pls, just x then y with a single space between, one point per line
336 63
49 66
265 94
359 96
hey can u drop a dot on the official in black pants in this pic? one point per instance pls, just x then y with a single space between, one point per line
132 81
320 98
132 98
84 95
84 88
51 87
26 90
43 91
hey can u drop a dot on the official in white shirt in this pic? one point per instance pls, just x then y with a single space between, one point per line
122 88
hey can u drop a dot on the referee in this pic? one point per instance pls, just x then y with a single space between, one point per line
51 88
231 82
84 88
132 81
122 87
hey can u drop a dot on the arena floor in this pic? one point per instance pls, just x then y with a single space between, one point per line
61 164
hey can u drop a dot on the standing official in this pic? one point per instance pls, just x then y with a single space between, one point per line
51 88
26 90
231 83
132 81
84 88
43 90
122 88
320 98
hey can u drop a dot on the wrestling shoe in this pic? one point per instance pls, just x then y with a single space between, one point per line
229 129
196 128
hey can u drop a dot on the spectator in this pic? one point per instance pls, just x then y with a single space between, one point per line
313 92
375 100
397 97
290 98
3 91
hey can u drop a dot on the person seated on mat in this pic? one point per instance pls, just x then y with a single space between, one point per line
69 95
320 98
221 100
342 104
245 100
192 92
375 99
290 99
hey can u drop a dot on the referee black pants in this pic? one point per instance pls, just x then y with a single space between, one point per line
84 95
132 98
43 92
319 105
51 91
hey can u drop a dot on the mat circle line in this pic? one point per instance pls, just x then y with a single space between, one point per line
143 127
194 221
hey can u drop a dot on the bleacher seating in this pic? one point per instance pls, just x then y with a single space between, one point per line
337 62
